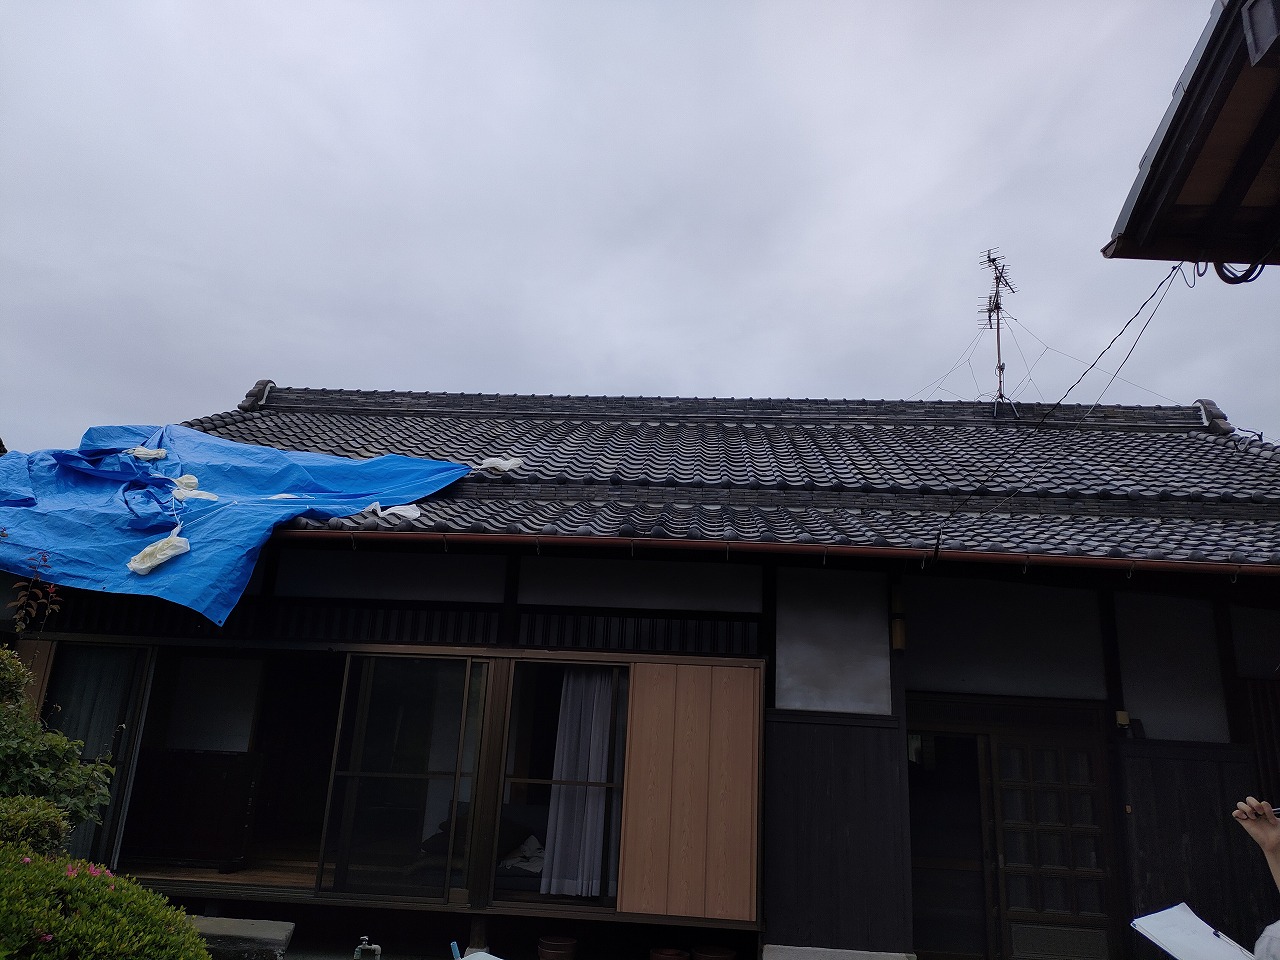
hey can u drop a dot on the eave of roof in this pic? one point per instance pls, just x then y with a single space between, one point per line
1111 485
1208 187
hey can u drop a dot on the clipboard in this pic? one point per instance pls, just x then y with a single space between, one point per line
1181 934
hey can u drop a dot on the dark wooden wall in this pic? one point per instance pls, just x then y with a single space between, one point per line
836 844
1183 846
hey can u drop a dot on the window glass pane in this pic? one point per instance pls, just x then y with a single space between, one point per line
1048 768
1013 763
560 817
386 841
1053 849
1015 806
1086 854
413 710
1056 894
1048 807
1017 889
1017 847
1082 812
1081 771
400 813
1089 896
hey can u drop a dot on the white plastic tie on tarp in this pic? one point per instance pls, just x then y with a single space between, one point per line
152 555
146 453
184 488
499 465
407 511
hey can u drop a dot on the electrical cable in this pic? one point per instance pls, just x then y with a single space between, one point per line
1132 347
1035 428
1063 353
965 354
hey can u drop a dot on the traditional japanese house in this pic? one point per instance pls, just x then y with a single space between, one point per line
809 678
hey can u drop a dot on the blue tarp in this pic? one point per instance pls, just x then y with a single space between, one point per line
89 511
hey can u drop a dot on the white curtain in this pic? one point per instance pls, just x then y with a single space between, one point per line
575 827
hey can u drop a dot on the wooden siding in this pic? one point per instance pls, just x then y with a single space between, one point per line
690 792
1181 842
836 869
1263 712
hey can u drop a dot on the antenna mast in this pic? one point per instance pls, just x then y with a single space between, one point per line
993 260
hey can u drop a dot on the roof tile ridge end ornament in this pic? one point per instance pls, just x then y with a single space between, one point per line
1215 420
3 448
256 397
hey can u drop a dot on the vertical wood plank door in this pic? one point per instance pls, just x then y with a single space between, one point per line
731 820
690 782
690 792
646 800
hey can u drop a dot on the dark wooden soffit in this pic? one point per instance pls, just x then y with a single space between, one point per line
1208 188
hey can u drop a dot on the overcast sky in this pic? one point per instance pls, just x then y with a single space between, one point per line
712 199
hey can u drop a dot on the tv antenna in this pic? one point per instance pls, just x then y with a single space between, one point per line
993 260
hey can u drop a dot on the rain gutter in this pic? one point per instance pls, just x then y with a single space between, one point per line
742 547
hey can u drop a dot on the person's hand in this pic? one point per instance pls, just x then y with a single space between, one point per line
1259 821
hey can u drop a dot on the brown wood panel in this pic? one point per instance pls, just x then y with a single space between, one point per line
731 824
646 807
37 656
689 785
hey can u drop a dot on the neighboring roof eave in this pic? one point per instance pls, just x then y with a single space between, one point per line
1155 156
1141 231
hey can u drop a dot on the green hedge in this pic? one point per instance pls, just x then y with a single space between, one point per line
14 676
36 762
37 823
63 909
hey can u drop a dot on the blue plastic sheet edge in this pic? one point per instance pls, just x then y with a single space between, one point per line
76 517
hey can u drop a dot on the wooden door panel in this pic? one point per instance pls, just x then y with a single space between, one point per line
646 807
731 824
690 792
690 783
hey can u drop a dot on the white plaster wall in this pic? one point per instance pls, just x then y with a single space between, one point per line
642 584
1169 667
832 641
1001 638
390 576
1257 639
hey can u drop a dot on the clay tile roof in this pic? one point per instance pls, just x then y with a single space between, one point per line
1121 482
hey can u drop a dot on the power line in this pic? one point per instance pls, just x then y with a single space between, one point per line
1165 282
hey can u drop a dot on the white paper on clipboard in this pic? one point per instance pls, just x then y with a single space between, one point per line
1178 931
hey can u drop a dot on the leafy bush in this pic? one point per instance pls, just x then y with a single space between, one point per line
31 821
14 677
63 909
42 763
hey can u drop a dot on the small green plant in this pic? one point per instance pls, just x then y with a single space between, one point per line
30 821
36 598
64 909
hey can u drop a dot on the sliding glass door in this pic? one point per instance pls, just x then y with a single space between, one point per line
561 807
403 777
95 695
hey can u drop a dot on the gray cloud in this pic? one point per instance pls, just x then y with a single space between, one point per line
719 198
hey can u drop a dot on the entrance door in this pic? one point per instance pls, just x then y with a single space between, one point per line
1010 846
1051 849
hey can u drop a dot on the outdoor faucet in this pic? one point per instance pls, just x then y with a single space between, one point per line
366 949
